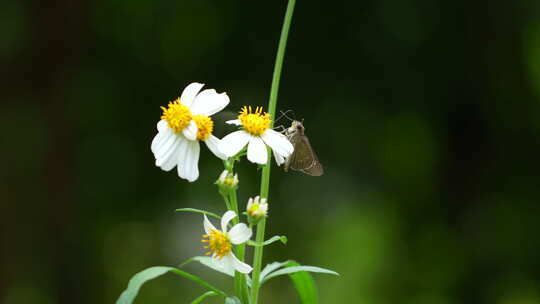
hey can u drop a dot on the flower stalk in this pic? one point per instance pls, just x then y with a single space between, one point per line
265 176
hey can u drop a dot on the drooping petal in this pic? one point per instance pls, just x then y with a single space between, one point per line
235 122
158 139
209 102
279 159
169 159
240 233
237 264
257 152
212 143
189 93
188 160
226 218
163 144
278 142
224 263
190 132
208 227
234 142
161 125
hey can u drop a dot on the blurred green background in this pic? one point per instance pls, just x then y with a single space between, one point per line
425 114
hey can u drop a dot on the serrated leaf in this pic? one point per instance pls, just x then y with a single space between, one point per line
200 298
198 211
138 280
293 269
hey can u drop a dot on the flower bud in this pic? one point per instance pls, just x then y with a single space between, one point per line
226 182
256 209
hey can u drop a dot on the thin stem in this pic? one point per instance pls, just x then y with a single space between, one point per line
265 177
240 286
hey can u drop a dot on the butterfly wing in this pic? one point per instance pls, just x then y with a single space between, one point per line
304 158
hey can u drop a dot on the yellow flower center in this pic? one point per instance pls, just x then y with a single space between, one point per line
254 122
218 243
252 210
177 115
205 126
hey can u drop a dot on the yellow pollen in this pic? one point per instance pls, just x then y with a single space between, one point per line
218 243
205 126
254 122
177 115
253 209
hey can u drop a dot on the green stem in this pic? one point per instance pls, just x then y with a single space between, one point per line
240 285
265 178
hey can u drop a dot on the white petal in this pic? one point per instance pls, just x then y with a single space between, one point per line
233 143
190 132
278 142
212 143
208 227
189 93
170 158
161 125
226 218
188 160
279 159
257 152
237 264
209 102
224 263
160 138
235 122
240 233
164 144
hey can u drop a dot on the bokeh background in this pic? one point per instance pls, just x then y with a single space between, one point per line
425 114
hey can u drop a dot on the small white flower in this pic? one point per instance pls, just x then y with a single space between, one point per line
257 208
256 133
183 124
220 243
228 179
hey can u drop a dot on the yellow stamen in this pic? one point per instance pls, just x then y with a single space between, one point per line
177 115
254 122
218 243
252 210
205 126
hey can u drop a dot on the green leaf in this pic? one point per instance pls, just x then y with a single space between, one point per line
197 280
305 287
271 267
138 280
302 280
273 239
134 285
198 211
200 298
232 300
293 269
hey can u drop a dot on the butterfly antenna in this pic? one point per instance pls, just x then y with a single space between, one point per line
284 114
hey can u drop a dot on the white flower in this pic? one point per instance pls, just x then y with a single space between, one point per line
228 179
257 207
256 133
220 242
183 124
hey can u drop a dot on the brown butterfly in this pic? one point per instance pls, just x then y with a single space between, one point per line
303 158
